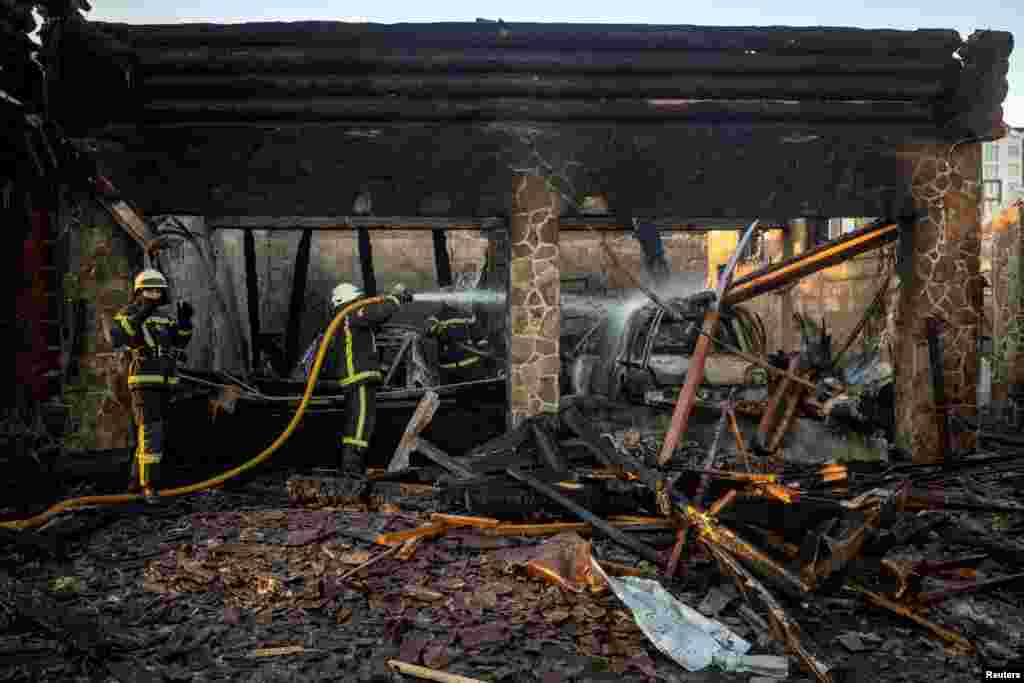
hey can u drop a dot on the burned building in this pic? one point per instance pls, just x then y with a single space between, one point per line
272 160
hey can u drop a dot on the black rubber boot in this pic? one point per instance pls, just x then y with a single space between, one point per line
352 471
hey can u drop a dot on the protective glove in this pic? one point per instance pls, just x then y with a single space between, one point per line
185 314
402 293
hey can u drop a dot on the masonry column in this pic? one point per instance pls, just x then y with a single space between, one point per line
939 277
533 301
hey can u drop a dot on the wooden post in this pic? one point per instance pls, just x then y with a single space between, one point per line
789 237
366 262
298 301
688 394
252 287
534 300
442 262
939 277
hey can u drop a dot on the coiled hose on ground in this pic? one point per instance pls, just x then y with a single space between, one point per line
122 498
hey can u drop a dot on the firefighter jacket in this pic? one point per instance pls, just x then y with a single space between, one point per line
457 337
154 340
352 358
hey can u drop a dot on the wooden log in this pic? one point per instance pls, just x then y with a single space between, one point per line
411 109
319 491
785 629
547 448
429 674
399 537
688 394
625 540
417 423
583 528
298 299
443 459
252 289
313 58
352 222
465 520
781 274
796 40
366 262
442 259
709 86
484 223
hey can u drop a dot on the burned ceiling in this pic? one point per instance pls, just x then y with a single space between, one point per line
273 118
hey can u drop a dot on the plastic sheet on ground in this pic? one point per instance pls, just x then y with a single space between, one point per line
680 632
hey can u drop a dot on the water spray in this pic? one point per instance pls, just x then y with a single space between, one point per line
465 297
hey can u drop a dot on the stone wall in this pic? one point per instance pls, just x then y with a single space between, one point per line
939 278
582 253
534 299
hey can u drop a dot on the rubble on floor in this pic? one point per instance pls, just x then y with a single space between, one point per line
490 565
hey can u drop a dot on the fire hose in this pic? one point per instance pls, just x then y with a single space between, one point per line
123 498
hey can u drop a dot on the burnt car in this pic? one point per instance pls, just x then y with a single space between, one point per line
641 353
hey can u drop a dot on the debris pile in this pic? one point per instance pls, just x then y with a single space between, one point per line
736 563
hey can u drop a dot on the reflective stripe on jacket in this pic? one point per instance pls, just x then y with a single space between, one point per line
352 358
154 340
457 336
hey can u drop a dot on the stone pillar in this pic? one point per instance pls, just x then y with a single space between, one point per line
533 301
939 276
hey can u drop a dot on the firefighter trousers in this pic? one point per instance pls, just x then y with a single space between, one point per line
150 408
360 417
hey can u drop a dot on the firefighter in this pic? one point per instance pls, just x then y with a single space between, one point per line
154 342
352 361
462 345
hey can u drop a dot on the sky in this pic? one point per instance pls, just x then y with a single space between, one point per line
966 17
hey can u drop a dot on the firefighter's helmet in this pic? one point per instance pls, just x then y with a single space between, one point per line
344 293
150 279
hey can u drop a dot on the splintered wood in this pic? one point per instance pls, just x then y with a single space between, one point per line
325 491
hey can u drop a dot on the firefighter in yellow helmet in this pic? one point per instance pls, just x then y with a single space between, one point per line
154 341
352 361
463 347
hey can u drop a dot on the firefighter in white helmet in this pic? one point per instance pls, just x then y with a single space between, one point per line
154 341
352 361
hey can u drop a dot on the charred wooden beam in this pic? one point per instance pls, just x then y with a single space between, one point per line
530 109
442 260
399 58
252 291
784 628
782 274
667 223
298 300
353 222
974 106
547 448
417 423
583 86
443 459
791 40
366 262
625 540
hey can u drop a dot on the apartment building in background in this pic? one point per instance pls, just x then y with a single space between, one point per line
1002 173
